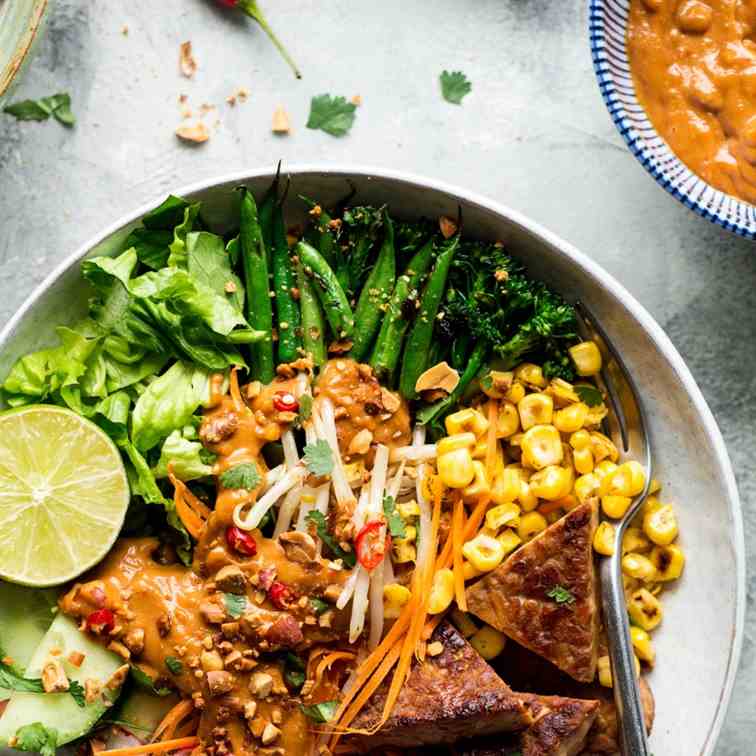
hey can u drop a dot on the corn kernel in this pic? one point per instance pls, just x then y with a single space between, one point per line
456 468
528 500
503 514
596 416
571 419
541 447
508 421
643 645
645 609
603 447
669 562
582 459
404 552
506 487
530 375
531 524
615 506
654 487
586 486
497 383
469 572
480 450
551 483
635 540
660 525
605 670
580 439
515 393
587 358
603 539
479 486
562 392
522 473
463 622
535 409
515 441
442 591
603 468
509 541
638 566
410 535
483 552
626 480
395 596
454 442
408 509
488 642
467 420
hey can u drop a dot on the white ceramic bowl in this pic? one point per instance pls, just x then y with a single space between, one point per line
699 641
608 36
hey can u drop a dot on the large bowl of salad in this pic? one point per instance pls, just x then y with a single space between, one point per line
272 440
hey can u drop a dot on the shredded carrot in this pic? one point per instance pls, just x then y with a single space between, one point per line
491 441
190 727
172 719
473 522
328 662
444 558
233 388
431 625
188 517
165 747
458 525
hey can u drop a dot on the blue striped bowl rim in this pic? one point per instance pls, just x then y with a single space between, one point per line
608 21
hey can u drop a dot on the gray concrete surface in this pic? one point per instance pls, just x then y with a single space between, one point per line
533 134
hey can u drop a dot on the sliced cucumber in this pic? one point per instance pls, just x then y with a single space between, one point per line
59 710
140 712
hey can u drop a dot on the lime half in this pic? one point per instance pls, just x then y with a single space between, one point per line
63 495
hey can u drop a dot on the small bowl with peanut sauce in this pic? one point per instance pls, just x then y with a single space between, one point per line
679 80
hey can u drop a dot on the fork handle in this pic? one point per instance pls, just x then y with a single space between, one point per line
632 726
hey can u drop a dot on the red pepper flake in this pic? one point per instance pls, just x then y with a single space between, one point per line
241 541
284 401
101 621
280 595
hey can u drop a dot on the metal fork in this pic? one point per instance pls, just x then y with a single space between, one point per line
626 426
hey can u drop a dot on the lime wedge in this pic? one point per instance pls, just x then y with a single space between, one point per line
63 495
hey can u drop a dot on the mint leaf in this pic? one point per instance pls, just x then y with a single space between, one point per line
38 738
393 518
561 595
174 665
322 712
454 86
58 106
241 476
319 521
589 395
235 605
319 458
334 115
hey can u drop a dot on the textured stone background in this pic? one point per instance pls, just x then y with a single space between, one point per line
534 134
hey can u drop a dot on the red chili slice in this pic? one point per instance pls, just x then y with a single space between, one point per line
371 546
101 621
285 401
241 541
280 595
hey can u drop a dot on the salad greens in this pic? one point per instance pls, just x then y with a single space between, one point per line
455 86
58 106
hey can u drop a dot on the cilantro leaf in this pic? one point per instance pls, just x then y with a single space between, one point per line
38 738
241 476
174 665
235 605
319 458
589 395
334 115
12 680
76 690
454 86
58 106
561 595
143 680
318 519
393 518
319 606
322 712
305 410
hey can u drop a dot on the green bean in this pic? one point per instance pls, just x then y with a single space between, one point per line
284 280
258 305
375 295
418 344
459 351
388 347
265 218
313 324
326 245
331 295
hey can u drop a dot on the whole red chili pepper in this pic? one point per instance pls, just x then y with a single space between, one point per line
101 621
241 541
251 9
285 401
371 545
280 595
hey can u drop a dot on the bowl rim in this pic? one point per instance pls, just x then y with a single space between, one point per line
18 56
592 269
598 9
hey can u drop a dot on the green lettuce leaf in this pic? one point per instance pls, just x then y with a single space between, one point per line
210 264
177 256
188 458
